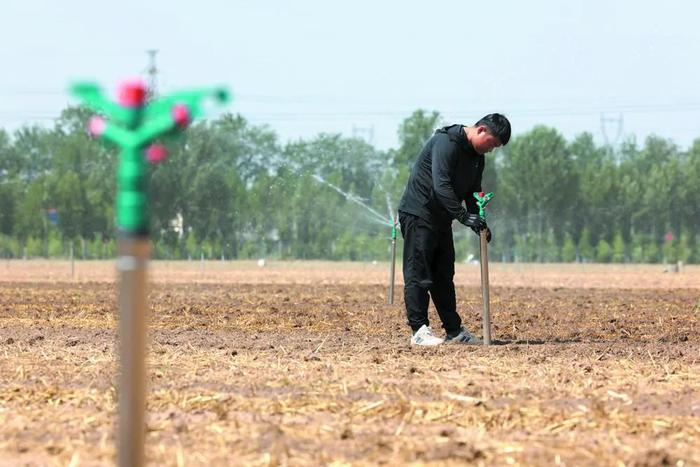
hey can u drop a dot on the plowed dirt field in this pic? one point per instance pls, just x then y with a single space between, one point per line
306 364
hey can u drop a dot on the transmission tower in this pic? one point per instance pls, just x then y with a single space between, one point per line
152 71
364 133
614 123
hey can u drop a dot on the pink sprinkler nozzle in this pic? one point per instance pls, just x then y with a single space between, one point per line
181 115
96 126
156 153
132 94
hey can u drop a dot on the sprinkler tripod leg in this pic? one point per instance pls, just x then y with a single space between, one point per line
486 313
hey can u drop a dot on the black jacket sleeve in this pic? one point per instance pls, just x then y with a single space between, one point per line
471 201
444 160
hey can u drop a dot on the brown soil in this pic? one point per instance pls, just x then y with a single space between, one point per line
302 371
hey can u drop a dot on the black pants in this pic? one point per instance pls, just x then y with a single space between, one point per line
428 268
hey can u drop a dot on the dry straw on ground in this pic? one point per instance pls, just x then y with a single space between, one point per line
297 364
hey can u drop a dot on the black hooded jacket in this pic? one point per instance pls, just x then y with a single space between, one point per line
447 172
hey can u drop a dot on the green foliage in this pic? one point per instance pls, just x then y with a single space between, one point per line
54 245
585 249
549 252
191 245
34 247
618 249
684 250
603 252
9 247
638 253
110 248
669 251
651 250
101 248
568 249
231 188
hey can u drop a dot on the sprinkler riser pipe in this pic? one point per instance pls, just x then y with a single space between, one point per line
482 200
133 254
486 311
133 124
392 271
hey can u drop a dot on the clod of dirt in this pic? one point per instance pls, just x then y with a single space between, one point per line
9 341
35 339
653 458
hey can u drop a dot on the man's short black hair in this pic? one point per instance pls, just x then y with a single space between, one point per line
498 125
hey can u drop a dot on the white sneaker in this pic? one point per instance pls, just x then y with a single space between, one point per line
425 336
464 337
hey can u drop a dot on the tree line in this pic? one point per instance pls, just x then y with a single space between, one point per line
232 190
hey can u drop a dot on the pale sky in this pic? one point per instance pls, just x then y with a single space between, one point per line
305 67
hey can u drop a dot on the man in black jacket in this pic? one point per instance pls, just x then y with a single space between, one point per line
447 172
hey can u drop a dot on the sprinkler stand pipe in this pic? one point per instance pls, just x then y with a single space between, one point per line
482 200
133 124
392 270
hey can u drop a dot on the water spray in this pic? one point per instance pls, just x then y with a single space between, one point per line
376 217
392 222
482 200
132 124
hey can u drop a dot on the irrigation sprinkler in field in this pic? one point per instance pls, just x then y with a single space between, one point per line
132 124
482 200
392 270
376 217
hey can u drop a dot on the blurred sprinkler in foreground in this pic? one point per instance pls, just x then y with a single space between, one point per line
133 125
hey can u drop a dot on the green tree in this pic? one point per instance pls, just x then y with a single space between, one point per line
685 249
568 249
596 203
54 245
637 250
651 251
618 248
585 249
603 252
34 247
537 183
191 245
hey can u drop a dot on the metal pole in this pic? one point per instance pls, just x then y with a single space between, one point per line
392 273
486 314
134 125
134 251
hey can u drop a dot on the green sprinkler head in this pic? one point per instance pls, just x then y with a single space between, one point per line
482 199
133 124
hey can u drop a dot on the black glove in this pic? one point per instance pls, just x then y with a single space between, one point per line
471 220
488 233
